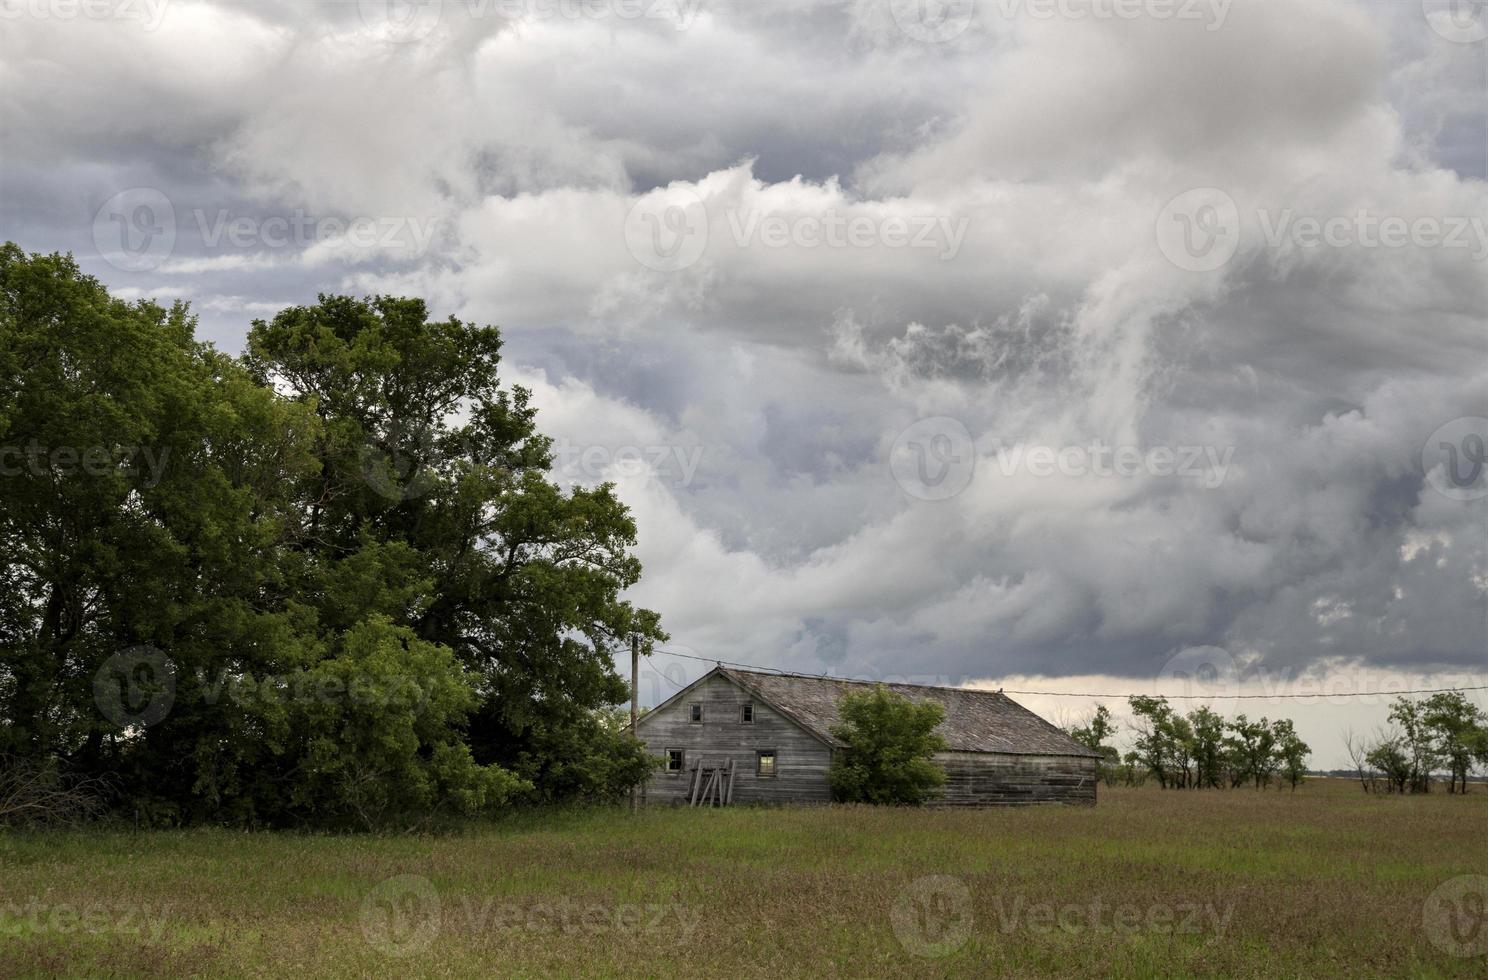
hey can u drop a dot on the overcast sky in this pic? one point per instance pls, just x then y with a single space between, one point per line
1082 345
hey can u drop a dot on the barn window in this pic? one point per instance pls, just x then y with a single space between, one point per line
695 714
746 713
675 759
766 762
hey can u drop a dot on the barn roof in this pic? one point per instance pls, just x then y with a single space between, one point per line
975 721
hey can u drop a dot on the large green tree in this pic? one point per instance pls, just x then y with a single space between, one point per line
328 581
432 492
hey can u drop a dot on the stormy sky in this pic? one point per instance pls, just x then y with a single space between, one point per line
1061 344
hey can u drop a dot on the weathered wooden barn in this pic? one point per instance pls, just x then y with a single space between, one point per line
739 736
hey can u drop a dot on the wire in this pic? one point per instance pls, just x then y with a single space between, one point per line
1262 697
1082 694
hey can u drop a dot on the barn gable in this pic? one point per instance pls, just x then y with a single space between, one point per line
734 680
799 759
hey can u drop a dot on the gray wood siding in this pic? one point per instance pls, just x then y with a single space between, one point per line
984 779
801 760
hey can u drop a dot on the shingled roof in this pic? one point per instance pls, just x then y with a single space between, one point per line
975 721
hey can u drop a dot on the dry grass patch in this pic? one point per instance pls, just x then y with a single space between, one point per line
1324 882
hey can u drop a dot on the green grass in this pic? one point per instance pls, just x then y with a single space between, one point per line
1326 882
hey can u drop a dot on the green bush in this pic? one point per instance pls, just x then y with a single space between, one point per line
890 747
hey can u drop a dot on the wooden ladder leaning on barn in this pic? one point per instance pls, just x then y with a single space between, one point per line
711 785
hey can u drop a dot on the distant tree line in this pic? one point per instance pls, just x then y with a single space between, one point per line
1197 750
1442 733
328 581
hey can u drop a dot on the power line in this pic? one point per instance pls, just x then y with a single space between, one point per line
1083 694
1260 697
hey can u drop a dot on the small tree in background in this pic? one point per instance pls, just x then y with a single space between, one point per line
1093 735
1157 753
1132 772
1358 751
1418 741
1391 759
1457 725
1291 752
890 747
1208 750
1478 741
1250 752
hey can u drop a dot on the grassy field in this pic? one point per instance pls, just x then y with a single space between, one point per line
1326 882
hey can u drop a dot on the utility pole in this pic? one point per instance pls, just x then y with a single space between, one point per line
635 667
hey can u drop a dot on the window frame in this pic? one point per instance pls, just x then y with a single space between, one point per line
759 769
695 707
681 761
746 707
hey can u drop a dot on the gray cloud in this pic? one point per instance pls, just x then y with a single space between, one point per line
1036 154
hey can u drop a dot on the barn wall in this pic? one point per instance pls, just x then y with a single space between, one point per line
981 779
802 760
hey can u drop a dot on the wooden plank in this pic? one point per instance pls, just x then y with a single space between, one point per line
709 789
693 781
